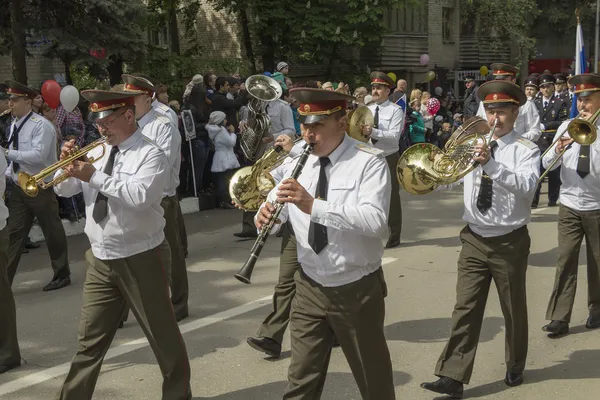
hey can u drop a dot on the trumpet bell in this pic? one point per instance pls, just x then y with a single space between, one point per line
415 168
28 184
582 132
249 189
358 118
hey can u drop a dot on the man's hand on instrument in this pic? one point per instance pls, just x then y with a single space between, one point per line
267 139
285 142
242 126
290 191
81 170
67 149
482 153
367 130
264 215
562 144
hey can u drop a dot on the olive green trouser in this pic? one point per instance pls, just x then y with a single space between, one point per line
22 210
9 345
139 282
355 314
276 323
573 226
504 260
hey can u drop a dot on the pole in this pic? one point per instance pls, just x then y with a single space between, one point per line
597 33
193 169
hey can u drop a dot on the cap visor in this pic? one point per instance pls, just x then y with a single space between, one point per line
312 119
94 116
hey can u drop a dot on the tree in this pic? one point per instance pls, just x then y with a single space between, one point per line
19 64
316 29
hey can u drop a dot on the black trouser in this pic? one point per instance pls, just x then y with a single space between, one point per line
553 187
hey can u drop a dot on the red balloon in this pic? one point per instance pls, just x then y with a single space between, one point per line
51 93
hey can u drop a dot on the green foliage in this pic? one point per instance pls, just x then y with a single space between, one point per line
83 79
560 14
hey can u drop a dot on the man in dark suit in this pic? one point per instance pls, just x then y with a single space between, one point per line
553 111
471 104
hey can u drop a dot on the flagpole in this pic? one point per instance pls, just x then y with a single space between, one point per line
597 34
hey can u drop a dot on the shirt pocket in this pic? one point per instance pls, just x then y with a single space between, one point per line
342 189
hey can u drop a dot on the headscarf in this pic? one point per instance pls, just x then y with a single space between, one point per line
196 80
281 66
216 117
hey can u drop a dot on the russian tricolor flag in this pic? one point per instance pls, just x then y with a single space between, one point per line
580 64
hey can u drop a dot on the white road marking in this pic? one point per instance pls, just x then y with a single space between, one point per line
62 369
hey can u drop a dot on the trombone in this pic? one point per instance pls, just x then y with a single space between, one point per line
582 131
30 184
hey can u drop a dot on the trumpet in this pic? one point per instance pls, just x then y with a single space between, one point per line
30 184
582 131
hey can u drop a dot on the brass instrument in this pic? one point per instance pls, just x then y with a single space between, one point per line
582 131
424 166
245 273
7 111
30 183
249 186
263 89
357 120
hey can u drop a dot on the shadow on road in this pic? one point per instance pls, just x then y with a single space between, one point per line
434 330
274 390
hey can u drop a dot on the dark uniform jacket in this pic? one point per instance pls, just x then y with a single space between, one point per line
471 104
551 117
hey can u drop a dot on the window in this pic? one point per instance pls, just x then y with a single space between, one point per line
447 24
159 37
407 19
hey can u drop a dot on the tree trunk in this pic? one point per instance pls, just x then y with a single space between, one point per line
115 69
68 76
173 28
19 63
331 58
248 40
268 53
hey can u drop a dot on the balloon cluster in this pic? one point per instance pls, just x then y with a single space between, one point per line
54 96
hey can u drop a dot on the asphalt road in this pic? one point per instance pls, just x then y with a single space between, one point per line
421 277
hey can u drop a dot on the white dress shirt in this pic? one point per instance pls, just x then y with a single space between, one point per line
158 128
576 193
135 222
37 146
3 209
527 123
167 112
282 119
355 213
514 171
391 124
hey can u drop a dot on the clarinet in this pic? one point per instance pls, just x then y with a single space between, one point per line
245 273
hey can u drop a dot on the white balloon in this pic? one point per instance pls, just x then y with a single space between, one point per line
69 98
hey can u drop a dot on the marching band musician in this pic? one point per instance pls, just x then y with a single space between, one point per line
579 213
528 121
10 355
338 211
33 148
157 127
497 197
385 135
129 259
553 111
531 87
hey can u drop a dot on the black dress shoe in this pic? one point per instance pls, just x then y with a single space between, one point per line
513 379
57 283
392 242
552 204
336 342
445 385
266 345
246 234
6 368
31 245
556 328
592 322
181 317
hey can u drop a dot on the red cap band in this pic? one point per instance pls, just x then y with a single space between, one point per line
132 88
502 72
381 81
99 106
499 98
322 108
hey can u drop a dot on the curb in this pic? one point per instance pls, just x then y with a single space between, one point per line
189 205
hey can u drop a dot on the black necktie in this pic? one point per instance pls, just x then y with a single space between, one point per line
545 104
317 233
583 162
15 139
101 204
375 122
484 199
